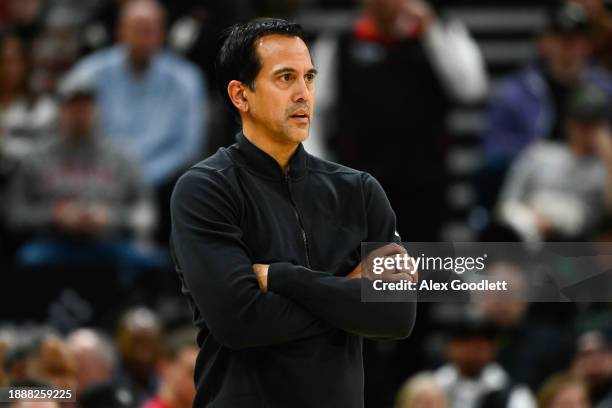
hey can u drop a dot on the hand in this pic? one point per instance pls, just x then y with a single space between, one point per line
413 12
95 220
389 250
67 215
543 223
261 272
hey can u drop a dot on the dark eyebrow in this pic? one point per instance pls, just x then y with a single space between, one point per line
285 70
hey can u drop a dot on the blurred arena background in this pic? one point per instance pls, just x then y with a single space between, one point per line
483 121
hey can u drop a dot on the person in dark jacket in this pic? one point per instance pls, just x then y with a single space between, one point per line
266 240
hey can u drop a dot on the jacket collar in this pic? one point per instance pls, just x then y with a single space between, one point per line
264 165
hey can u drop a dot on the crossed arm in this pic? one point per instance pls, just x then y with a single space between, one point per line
298 303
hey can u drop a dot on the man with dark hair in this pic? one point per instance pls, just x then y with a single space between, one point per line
266 240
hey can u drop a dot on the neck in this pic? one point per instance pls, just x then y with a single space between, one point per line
139 65
281 152
562 75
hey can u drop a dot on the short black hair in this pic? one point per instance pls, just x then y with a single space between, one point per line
237 57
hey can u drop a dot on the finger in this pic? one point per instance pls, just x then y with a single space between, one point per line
397 277
389 249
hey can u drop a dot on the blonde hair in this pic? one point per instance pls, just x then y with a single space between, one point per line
414 386
554 385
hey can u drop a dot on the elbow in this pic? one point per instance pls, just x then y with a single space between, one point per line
401 324
406 321
228 336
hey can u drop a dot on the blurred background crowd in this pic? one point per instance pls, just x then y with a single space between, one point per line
484 121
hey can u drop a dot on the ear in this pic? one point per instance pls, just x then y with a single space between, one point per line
236 91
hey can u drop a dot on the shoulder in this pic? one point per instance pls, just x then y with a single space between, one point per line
210 177
331 169
527 80
101 60
546 151
344 177
180 71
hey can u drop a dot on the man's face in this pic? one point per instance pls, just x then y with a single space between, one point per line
142 32
282 101
78 116
565 54
12 64
581 135
180 375
471 354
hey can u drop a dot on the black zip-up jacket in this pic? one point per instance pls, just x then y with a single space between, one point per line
300 343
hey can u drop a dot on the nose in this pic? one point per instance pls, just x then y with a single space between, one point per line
302 91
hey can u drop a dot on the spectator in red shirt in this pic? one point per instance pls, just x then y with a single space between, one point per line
176 372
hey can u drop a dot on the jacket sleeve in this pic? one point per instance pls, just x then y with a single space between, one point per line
337 300
218 272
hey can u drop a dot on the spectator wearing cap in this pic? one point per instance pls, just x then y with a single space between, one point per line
139 340
78 198
530 104
600 24
471 378
152 103
561 189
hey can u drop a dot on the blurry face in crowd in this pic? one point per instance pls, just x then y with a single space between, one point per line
78 116
573 395
12 65
140 348
179 375
281 103
54 364
471 354
565 55
594 367
427 398
141 30
582 135
23 12
509 312
91 365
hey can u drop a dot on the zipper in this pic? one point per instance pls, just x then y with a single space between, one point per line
299 219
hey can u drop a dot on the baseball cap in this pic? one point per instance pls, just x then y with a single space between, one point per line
569 18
